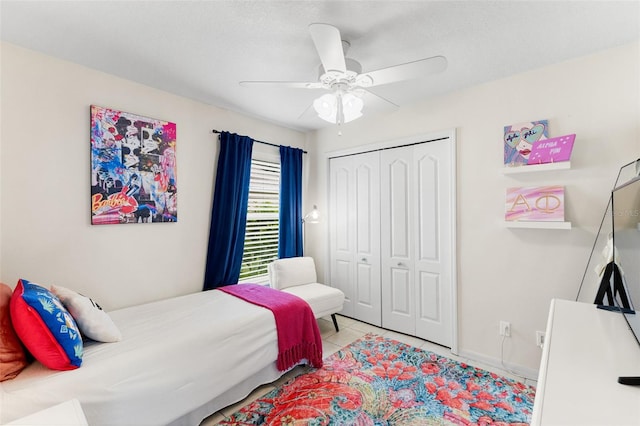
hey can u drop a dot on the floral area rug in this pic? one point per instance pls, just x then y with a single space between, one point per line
379 381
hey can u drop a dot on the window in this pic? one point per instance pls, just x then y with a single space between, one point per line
261 234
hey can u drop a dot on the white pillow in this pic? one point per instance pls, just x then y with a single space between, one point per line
91 319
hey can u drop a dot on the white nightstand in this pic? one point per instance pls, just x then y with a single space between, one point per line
69 413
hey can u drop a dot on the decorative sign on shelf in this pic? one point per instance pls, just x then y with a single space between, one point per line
133 168
552 150
540 203
519 139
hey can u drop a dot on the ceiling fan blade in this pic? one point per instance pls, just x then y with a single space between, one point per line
283 84
329 46
308 113
408 71
375 102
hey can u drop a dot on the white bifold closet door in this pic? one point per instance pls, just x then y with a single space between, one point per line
416 187
392 221
355 234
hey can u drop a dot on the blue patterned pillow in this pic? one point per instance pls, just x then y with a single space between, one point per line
45 327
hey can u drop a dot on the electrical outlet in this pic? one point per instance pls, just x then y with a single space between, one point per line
540 338
505 328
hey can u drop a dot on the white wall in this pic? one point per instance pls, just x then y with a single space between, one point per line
512 274
45 229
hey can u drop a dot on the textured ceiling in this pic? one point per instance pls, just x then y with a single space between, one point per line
202 49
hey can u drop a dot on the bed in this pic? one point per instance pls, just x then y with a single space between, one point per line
180 360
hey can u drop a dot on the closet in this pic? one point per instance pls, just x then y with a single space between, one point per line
392 236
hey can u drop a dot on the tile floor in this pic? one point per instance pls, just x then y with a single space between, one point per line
332 341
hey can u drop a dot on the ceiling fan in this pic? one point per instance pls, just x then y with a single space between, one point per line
343 78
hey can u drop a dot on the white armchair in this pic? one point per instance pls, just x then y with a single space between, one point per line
297 275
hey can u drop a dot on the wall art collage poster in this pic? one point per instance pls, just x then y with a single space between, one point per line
133 168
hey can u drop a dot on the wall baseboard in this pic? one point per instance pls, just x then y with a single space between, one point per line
515 369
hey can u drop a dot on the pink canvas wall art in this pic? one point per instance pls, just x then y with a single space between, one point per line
519 138
540 203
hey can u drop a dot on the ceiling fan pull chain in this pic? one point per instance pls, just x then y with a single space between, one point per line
340 112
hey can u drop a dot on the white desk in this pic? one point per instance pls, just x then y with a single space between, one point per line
585 352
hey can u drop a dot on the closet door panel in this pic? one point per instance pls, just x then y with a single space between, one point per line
433 243
429 297
342 278
398 304
401 292
342 236
428 208
341 191
355 234
367 227
366 193
366 297
399 209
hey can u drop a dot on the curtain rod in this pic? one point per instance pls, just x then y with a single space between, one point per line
266 143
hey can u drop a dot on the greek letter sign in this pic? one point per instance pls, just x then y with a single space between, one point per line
540 203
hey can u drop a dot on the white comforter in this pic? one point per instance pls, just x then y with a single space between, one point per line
175 357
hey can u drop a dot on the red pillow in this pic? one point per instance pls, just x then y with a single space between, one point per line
12 356
45 327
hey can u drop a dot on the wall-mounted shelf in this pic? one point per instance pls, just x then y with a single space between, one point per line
533 168
538 225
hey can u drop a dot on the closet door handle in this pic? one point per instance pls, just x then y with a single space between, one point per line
364 259
401 264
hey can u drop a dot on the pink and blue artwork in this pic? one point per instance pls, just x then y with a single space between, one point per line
133 168
540 203
552 150
519 139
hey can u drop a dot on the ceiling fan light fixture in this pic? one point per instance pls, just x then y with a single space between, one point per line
352 107
328 109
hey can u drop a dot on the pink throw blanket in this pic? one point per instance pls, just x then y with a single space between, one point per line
298 334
